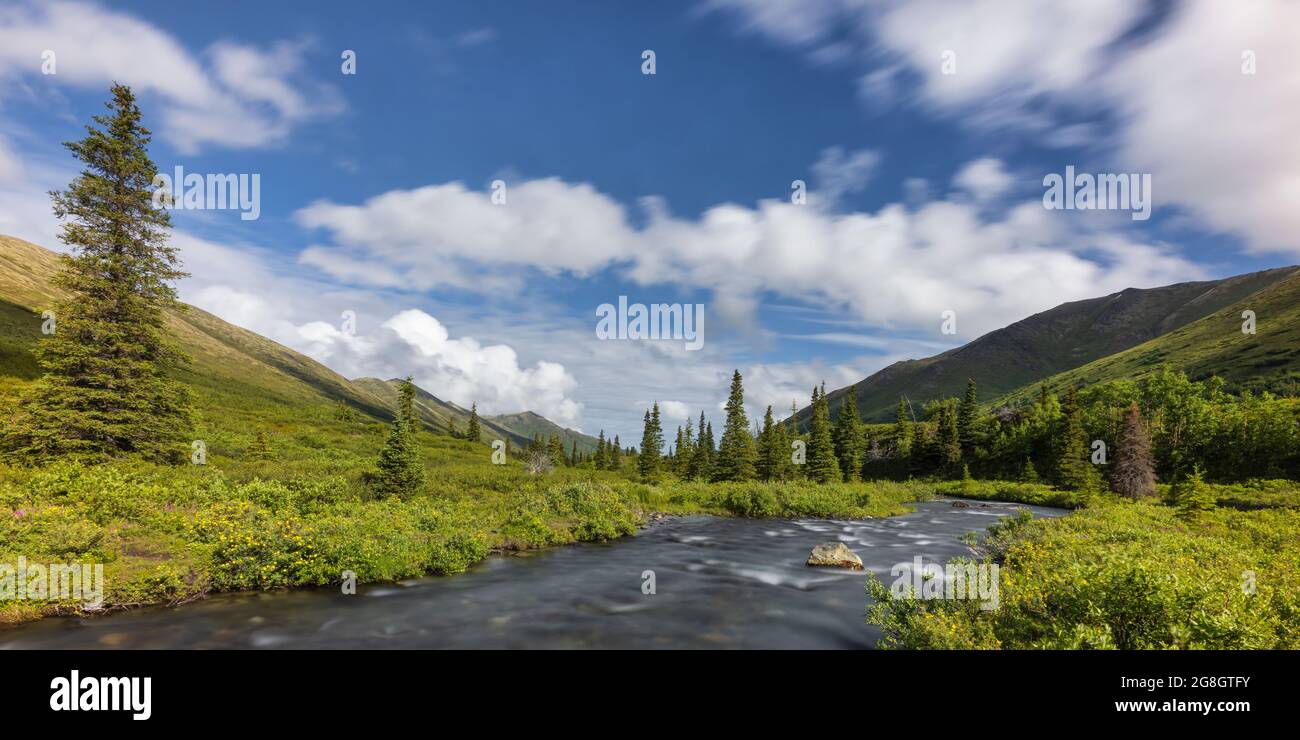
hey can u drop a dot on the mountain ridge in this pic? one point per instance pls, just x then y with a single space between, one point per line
1050 342
226 359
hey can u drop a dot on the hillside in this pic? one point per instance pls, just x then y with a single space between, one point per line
1214 345
1054 341
239 377
528 424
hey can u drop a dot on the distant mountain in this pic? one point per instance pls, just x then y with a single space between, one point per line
1054 341
1268 360
233 371
518 428
527 424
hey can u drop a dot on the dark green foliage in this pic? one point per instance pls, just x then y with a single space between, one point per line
652 443
1192 496
701 467
848 437
472 432
948 440
107 388
823 466
399 471
736 450
968 420
1074 469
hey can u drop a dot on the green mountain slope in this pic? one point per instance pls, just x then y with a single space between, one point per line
239 377
1214 345
527 424
1068 336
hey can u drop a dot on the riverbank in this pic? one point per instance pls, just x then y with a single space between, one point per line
167 535
691 581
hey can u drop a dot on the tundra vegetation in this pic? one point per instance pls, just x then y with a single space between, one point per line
1185 534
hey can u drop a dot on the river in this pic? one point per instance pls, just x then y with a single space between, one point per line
719 583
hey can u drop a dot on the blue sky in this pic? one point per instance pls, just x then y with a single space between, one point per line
925 186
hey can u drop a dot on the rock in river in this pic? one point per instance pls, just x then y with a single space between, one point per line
835 555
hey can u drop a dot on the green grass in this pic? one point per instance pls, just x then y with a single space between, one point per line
1268 360
168 534
1121 575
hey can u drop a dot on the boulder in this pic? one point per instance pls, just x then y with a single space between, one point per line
835 555
960 505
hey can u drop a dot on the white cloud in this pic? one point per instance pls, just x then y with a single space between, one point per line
985 179
837 173
433 233
1174 100
894 268
251 97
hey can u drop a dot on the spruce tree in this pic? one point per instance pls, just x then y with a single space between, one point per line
1134 472
949 440
1074 469
968 420
648 461
399 470
848 437
1192 497
773 446
600 451
573 453
107 388
736 453
615 456
686 451
823 467
452 429
472 433
779 464
700 457
555 450
903 437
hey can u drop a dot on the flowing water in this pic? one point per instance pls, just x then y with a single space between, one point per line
719 583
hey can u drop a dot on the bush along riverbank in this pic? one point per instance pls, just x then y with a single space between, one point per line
168 534
1120 574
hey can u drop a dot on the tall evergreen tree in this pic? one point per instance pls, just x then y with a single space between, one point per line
573 452
399 470
1074 469
779 464
948 438
615 456
773 449
600 451
968 421
823 466
1134 472
701 456
736 450
648 461
848 437
902 433
107 389
555 450
686 451
472 433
